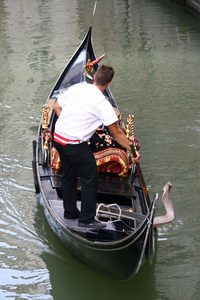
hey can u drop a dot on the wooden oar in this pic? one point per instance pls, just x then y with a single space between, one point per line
130 119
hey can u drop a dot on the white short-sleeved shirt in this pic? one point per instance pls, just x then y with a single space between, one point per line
84 109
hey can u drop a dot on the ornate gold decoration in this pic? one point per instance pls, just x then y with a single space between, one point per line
46 109
45 142
129 126
90 64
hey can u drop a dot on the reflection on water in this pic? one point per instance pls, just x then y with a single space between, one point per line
154 49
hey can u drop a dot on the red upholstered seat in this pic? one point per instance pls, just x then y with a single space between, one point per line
110 160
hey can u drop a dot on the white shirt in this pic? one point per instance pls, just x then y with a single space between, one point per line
84 109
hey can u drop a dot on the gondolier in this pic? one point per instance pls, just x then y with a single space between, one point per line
81 109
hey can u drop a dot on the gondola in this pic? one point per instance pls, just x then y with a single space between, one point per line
119 249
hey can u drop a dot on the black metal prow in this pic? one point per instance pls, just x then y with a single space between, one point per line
95 5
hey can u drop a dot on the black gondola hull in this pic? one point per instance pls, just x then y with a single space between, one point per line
115 253
119 260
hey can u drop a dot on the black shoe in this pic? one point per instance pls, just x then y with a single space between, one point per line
93 225
70 217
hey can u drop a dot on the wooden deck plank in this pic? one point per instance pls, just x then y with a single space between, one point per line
106 185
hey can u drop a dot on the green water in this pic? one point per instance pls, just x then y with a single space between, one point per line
154 48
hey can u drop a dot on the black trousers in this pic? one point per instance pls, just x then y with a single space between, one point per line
78 160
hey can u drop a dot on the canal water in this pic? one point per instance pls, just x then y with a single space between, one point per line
154 47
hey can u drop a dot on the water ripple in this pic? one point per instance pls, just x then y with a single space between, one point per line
13 281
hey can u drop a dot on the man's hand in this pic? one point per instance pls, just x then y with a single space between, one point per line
137 158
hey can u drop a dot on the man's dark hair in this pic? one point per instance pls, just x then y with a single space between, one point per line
104 75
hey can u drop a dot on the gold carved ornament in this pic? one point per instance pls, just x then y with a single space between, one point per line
45 142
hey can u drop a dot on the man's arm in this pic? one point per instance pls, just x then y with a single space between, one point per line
57 109
120 137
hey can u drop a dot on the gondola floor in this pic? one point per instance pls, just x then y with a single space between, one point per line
57 207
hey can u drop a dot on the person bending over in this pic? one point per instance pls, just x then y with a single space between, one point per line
81 110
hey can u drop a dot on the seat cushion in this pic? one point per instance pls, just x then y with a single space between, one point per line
112 160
